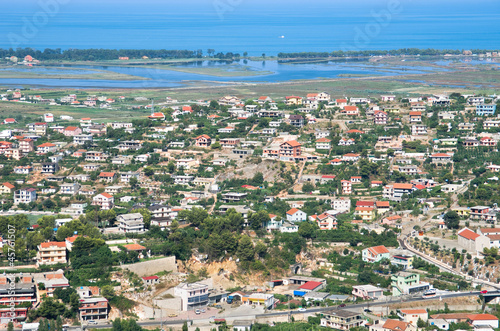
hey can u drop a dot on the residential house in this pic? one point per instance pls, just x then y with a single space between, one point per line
203 141
290 150
49 168
103 200
296 120
69 188
440 158
365 213
375 254
130 223
413 315
346 186
193 295
418 130
380 117
107 177
25 195
323 143
72 131
474 243
46 148
6 188
51 252
415 117
342 319
367 291
293 101
486 109
295 215
406 283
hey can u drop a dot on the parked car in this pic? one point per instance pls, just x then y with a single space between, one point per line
172 315
197 312
92 322
302 310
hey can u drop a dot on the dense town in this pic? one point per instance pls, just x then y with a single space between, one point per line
351 213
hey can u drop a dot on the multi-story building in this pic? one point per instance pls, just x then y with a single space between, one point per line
375 254
51 252
69 188
25 195
49 168
295 215
418 130
296 121
81 139
380 117
323 143
342 319
130 223
486 109
346 186
93 156
341 204
46 148
17 289
94 308
365 213
193 296
415 117
103 200
72 131
26 145
203 141
290 150
407 283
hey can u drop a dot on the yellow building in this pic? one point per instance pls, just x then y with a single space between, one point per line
366 213
462 211
6 188
293 101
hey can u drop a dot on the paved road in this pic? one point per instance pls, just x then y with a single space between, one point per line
309 311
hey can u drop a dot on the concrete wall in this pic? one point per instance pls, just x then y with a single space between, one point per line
149 268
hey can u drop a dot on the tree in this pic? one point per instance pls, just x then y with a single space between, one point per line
246 250
452 220
258 219
307 187
133 182
10 326
307 229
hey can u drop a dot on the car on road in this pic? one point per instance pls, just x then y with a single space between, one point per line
301 310
342 305
484 291
92 322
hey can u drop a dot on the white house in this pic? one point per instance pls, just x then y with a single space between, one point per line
295 215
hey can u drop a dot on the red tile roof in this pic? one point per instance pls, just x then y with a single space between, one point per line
150 277
293 143
310 285
52 243
395 325
292 211
401 186
468 234
482 317
8 185
134 247
107 174
379 249
323 140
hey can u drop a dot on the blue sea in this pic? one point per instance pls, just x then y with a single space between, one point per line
253 26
